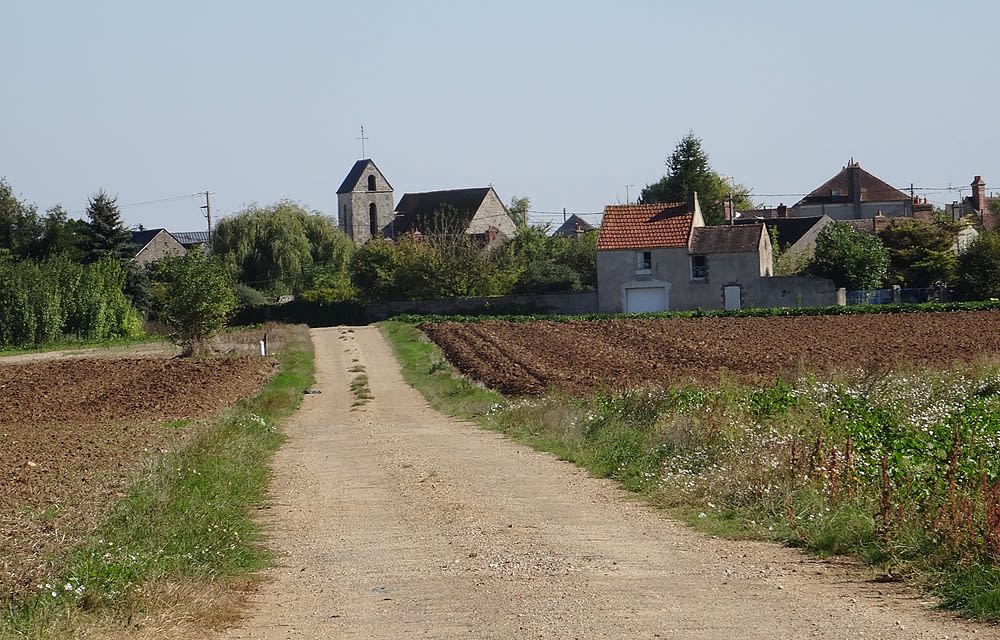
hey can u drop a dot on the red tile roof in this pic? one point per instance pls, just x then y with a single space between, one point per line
644 226
872 189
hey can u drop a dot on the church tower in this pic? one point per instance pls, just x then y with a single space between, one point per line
364 203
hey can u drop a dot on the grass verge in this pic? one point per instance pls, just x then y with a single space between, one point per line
173 556
900 470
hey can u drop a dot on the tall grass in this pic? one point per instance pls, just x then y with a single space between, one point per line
184 534
901 470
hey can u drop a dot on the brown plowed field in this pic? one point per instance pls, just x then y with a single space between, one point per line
587 356
73 432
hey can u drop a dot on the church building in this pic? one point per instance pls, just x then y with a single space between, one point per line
364 203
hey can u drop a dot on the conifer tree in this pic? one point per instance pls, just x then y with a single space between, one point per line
105 233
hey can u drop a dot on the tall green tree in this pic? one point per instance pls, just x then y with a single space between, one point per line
197 298
920 251
851 258
688 171
283 249
61 236
977 274
518 210
20 226
106 235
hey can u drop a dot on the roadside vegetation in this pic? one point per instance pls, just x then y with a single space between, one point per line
182 545
901 470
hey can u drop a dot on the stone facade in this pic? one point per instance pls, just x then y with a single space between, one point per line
365 203
155 244
492 214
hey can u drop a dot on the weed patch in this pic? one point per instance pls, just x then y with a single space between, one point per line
186 525
901 469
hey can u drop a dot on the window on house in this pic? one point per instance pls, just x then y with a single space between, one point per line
373 219
699 267
644 261
371 182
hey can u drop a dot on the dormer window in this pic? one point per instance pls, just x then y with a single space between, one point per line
371 182
836 193
643 261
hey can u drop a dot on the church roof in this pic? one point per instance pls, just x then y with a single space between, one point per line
350 183
414 209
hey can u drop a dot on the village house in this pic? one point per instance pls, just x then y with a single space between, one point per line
980 207
154 244
659 257
854 194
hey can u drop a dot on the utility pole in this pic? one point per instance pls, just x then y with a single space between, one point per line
208 213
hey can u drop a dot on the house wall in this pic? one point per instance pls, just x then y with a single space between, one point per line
162 245
492 213
353 207
723 269
616 272
852 211
792 291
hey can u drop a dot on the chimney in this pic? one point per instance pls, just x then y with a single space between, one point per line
978 195
922 210
854 182
879 222
782 211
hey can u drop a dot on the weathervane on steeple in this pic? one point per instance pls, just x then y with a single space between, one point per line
362 139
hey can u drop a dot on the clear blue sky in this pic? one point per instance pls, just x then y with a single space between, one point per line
572 104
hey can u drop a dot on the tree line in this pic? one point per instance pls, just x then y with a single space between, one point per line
258 255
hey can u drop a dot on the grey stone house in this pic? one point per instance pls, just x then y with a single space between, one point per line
364 203
153 244
659 257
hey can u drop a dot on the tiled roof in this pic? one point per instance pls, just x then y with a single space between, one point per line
415 210
790 230
143 237
872 189
188 238
354 175
569 228
742 238
641 226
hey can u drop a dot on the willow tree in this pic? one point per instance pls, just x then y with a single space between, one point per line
282 249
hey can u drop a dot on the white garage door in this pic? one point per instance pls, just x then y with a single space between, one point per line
646 300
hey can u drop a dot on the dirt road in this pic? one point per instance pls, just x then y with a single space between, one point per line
394 521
